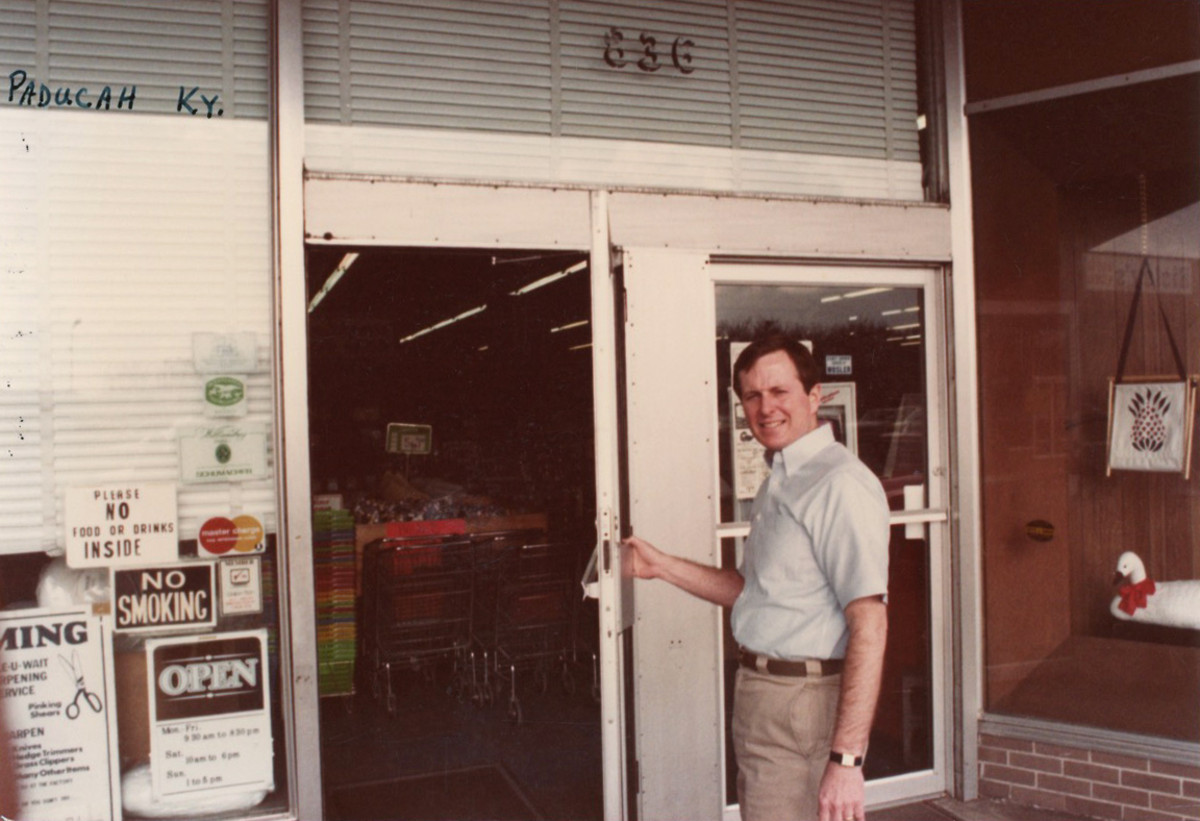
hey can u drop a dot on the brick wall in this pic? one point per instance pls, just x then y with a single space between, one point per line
1087 782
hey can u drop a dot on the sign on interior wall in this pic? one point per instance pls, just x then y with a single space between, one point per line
165 597
210 723
126 524
56 677
410 439
839 408
223 453
839 364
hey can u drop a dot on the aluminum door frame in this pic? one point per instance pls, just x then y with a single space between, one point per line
372 211
675 496
935 516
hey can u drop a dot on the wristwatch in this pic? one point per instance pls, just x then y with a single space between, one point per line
846 759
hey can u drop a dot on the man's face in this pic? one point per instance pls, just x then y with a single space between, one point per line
778 408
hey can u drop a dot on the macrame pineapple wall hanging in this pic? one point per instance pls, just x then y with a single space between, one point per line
1150 418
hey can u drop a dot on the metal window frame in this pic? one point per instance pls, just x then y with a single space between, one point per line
297 645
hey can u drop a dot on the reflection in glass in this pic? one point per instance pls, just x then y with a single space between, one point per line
1091 186
870 345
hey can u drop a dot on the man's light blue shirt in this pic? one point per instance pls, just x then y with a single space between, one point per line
818 540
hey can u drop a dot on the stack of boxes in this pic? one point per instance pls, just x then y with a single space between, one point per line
333 567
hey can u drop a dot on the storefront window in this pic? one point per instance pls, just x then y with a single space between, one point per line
139 595
1087 239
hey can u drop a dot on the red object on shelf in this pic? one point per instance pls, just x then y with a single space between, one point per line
429 527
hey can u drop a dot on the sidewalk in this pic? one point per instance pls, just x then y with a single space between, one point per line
982 809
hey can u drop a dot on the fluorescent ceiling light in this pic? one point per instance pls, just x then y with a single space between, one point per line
580 347
444 323
546 280
905 327
853 294
342 268
866 292
569 326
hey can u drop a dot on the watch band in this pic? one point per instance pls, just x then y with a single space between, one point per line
846 759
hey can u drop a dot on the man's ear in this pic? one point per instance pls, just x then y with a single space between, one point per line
814 397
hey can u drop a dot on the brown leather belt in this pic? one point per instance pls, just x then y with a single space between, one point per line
780 667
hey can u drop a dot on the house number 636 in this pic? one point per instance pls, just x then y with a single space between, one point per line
614 52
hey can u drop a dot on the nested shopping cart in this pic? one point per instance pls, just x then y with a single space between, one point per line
493 553
417 609
534 627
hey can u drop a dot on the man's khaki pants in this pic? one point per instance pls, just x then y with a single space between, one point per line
782 732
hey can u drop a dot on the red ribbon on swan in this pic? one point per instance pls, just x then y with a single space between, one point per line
1134 596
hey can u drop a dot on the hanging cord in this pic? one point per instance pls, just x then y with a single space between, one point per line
1143 272
1145 216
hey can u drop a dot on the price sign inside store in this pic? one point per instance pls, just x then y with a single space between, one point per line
410 439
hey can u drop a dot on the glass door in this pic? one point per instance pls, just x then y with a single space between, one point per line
876 336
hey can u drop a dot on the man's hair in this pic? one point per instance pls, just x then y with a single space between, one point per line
806 365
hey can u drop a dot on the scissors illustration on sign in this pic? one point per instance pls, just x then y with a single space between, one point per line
76 670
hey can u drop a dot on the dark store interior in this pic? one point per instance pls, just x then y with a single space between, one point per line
491 350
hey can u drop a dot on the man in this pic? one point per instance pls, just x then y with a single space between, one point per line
809 601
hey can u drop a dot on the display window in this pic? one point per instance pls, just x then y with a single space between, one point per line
140 642
1087 239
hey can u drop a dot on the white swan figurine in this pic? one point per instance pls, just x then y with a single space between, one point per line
1141 599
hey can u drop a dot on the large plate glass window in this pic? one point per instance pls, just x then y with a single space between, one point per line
143 664
1106 273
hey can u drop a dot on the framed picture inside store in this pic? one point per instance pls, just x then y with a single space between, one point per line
1151 418
1150 423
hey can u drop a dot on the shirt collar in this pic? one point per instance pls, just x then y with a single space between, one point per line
803 449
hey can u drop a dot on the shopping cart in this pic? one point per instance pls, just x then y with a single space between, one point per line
493 551
417 610
534 629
